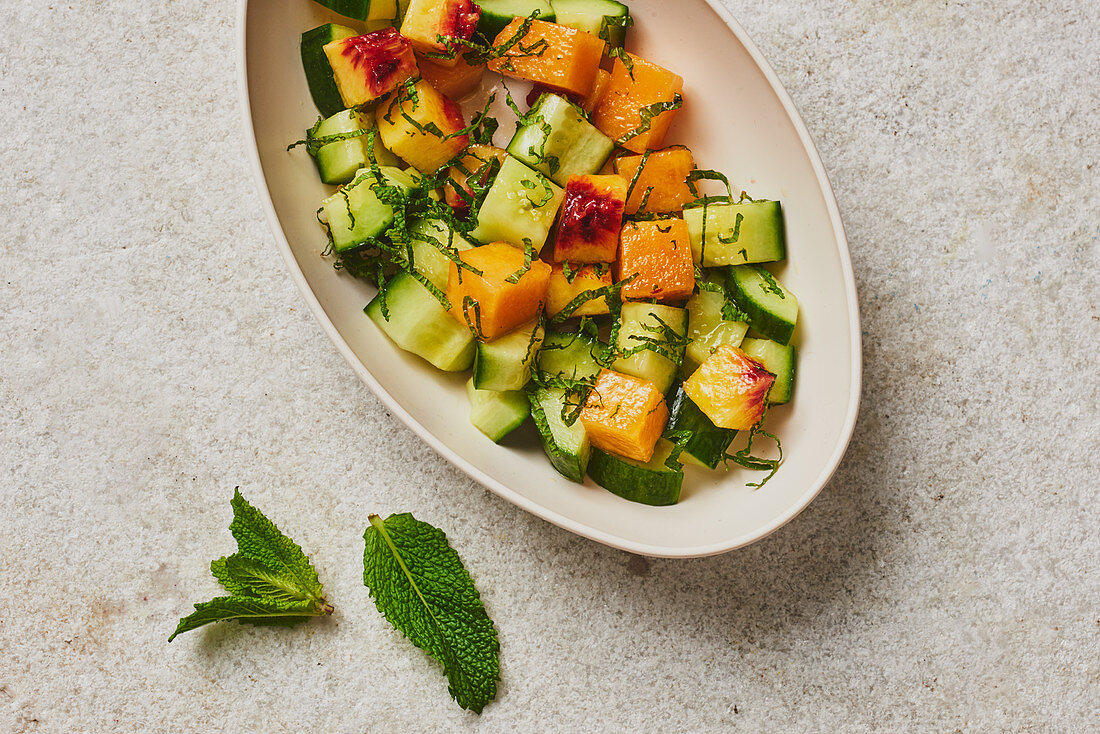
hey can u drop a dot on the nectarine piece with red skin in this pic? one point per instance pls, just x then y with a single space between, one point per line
590 220
427 21
370 66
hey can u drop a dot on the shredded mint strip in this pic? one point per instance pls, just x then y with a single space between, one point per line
420 586
269 578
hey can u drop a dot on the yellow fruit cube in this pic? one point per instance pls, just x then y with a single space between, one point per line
731 388
624 415
580 279
416 126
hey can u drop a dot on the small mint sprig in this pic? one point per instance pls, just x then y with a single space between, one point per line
269 579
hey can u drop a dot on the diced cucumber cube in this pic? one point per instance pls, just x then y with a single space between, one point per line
748 232
651 483
338 161
496 14
567 446
368 10
706 443
555 139
572 356
497 413
322 87
521 204
771 308
430 237
641 322
355 213
606 19
418 323
707 329
505 362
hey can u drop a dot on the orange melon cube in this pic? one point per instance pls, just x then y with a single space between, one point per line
501 305
590 220
426 22
658 254
598 88
624 415
455 81
618 113
581 279
731 388
561 58
413 141
662 184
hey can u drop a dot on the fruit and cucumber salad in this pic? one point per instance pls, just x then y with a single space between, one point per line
589 277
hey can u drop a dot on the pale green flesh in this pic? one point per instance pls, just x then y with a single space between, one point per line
509 212
646 364
338 162
428 258
707 329
497 413
418 323
573 144
371 216
570 356
505 363
758 238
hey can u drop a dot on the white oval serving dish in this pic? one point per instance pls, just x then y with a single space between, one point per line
738 119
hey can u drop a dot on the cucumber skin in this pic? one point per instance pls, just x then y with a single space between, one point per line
773 327
494 19
358 9
708 443
663 487
570 466
566 9
322 86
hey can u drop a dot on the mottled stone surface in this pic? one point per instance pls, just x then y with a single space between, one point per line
156 354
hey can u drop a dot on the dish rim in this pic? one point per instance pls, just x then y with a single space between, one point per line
499 488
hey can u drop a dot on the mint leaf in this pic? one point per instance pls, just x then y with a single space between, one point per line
244 609
261 546
420 586
270 579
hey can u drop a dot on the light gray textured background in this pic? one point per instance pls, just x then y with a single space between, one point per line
156 354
